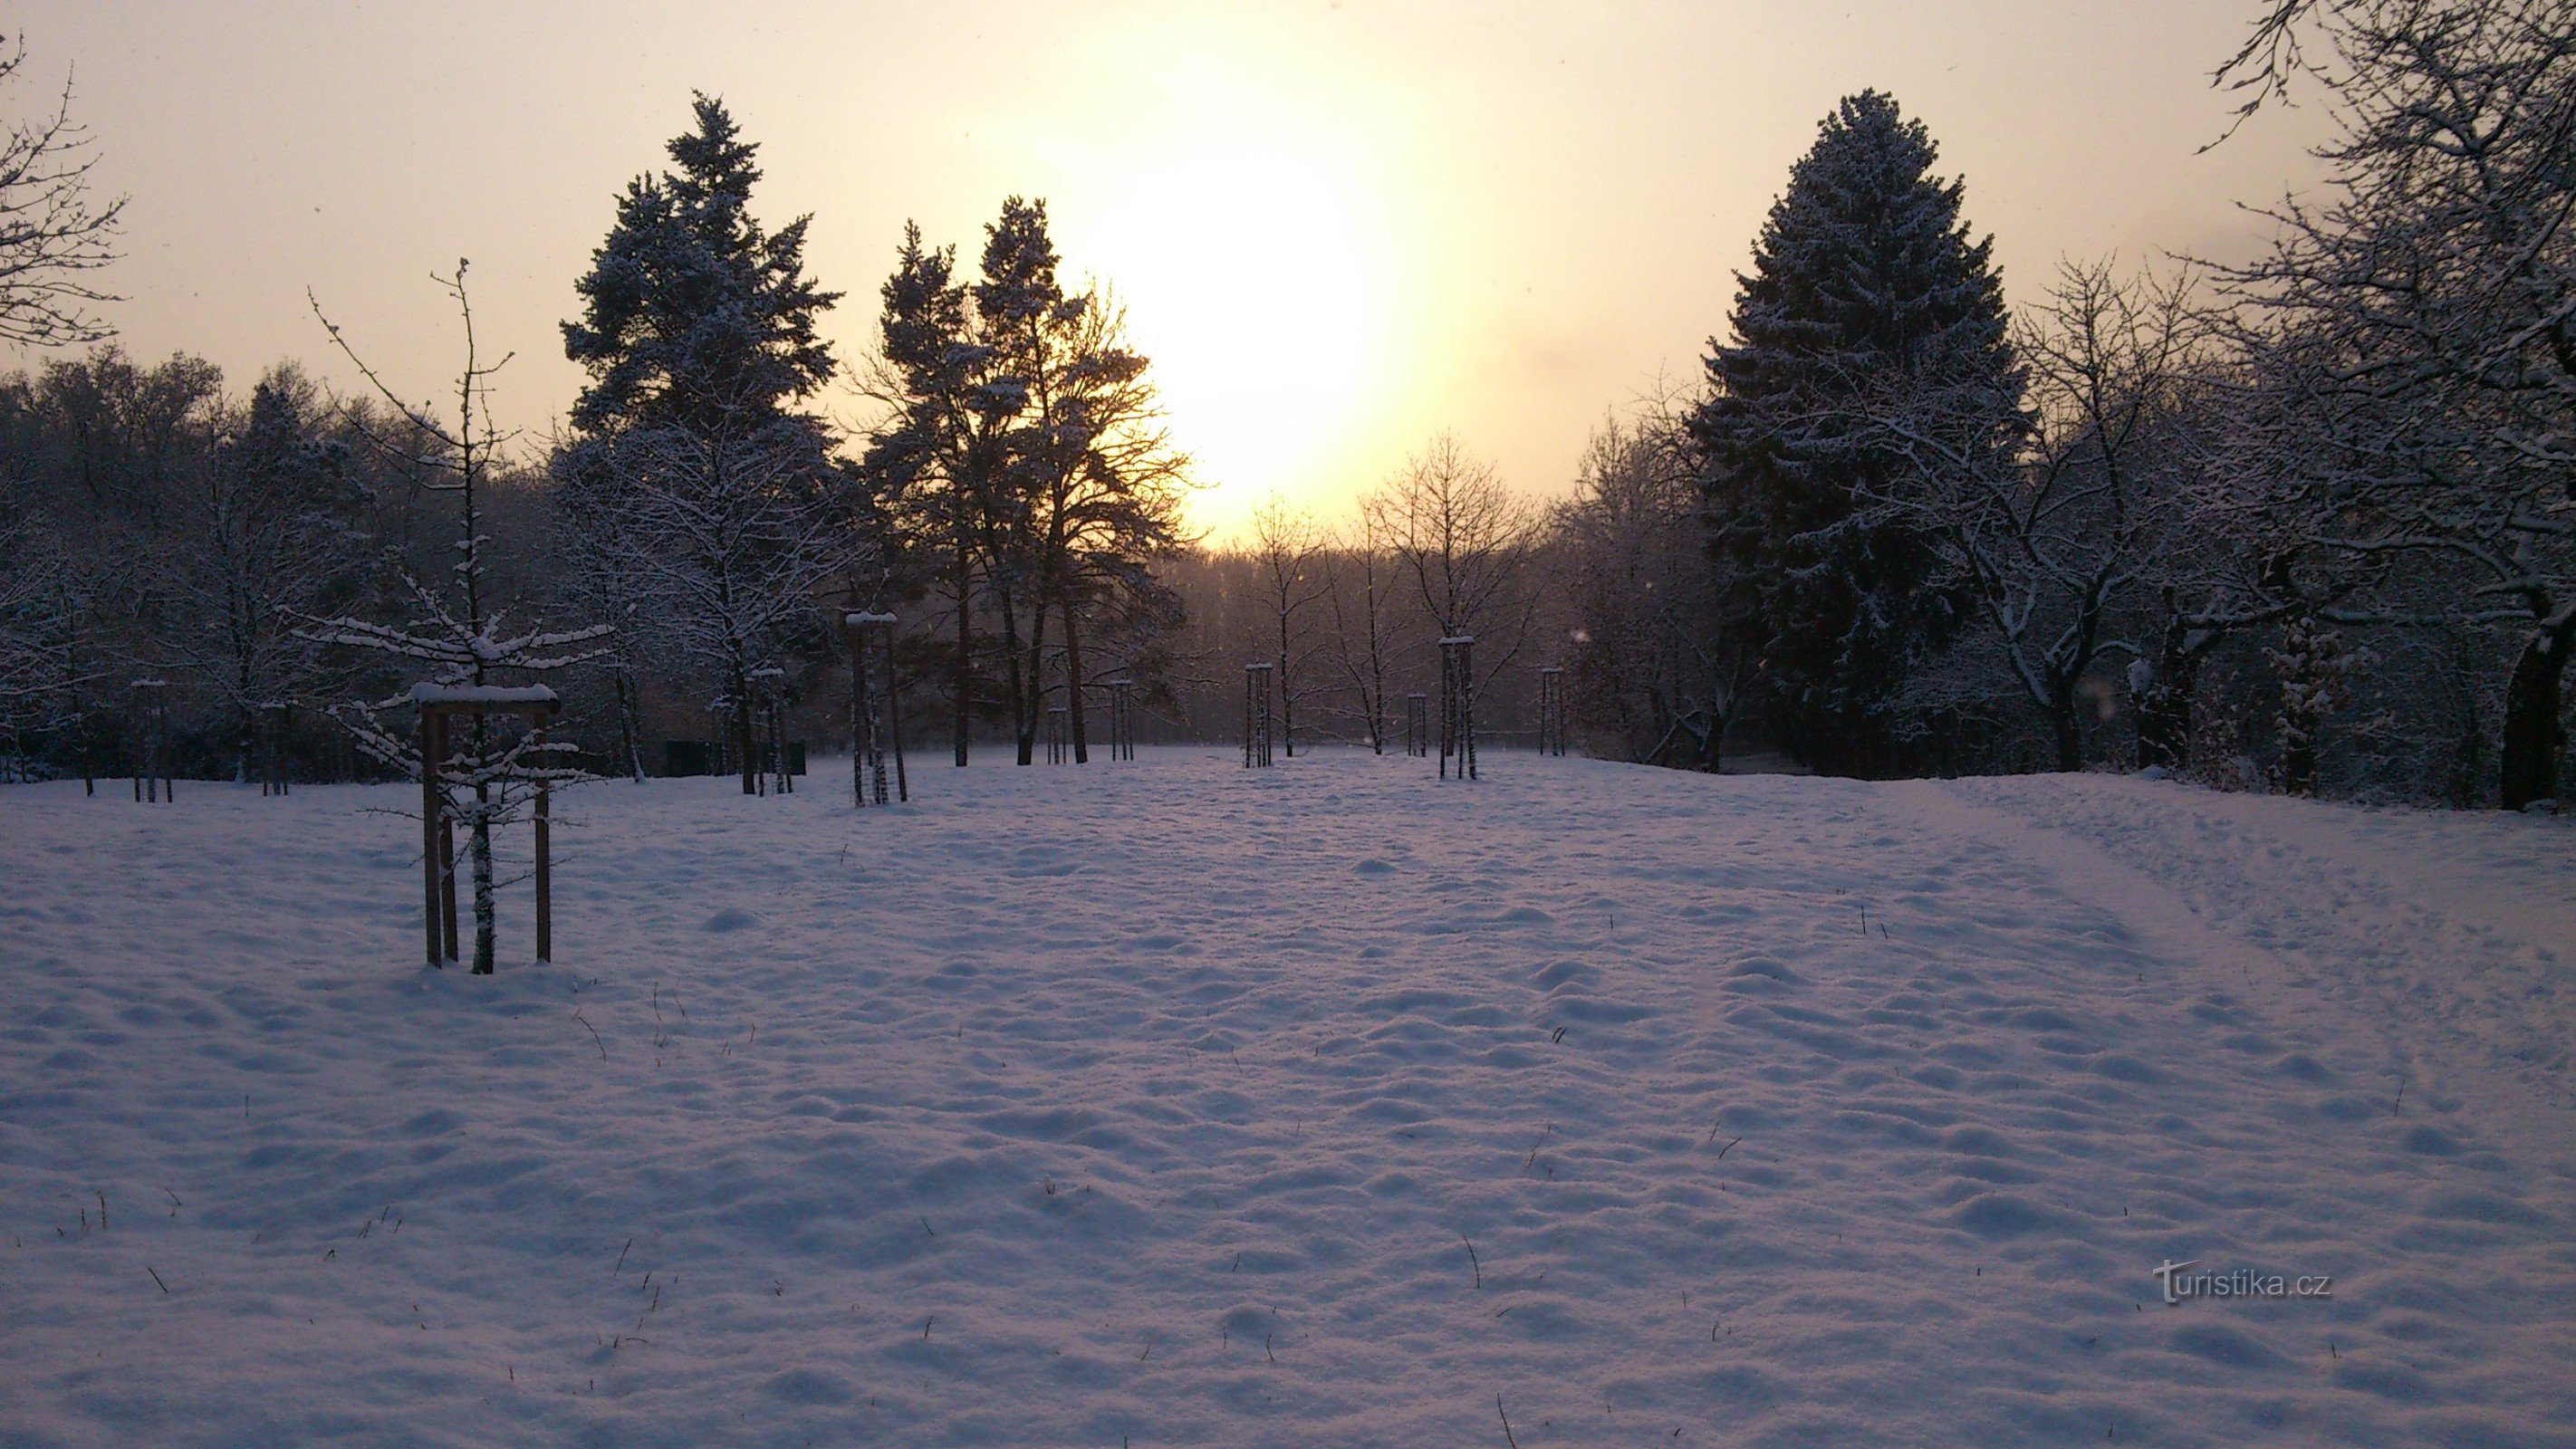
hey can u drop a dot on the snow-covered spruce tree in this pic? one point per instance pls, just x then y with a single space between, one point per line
2430 300
456 632
699 334
1864 276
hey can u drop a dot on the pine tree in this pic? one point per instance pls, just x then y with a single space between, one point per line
690 456
1026 439
941 448
692 314
1865 285
1021 310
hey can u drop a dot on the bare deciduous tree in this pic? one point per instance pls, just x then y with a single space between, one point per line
1361 586
1289 550
35 582
2430 302
1662 657
266 535
726 537
2056 541
53 231
1465 544
489 777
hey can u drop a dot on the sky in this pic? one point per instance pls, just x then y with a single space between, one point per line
1338 226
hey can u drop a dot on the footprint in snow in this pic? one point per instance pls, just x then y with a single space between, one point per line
731 918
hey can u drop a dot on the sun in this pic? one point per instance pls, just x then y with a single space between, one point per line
1251 234
1251 279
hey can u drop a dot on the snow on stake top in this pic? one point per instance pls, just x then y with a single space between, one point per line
498 694
1459 639
855 619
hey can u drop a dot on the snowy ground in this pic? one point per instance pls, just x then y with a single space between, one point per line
1168 1103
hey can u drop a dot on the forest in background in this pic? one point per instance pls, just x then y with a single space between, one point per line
2307 524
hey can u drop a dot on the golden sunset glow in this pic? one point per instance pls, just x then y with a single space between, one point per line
1258 395
1337 227
1251 221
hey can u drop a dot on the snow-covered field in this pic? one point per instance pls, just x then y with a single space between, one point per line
1171 1103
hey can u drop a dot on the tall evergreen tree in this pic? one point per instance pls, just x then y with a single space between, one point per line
1023 313
693 314
1865 286
690 456
943 447
1026 438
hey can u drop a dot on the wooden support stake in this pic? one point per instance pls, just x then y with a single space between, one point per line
446 861
545 867
894 721
429 801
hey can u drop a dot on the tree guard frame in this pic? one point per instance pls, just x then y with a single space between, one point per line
276 716
876 719
439 705
1551 711
153 780
1256 716
1122 717
1057 750
1417 725
1458 706
769 719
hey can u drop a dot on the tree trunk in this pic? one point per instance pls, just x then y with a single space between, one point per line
2299 763
2066 729
1033 705
2172 682
750 757
1287 706
2535 743
2164 708
1073 685
479 850
965 683
1011 662
630 737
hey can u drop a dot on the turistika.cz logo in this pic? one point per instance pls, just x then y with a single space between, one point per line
2240 1283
